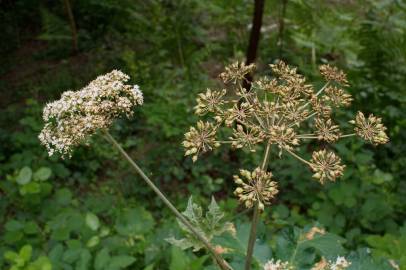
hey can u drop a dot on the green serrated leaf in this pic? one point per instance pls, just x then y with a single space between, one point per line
30 188
193 212
381 177
329 245
25 253
24 176
134 221
31 227
63 196
209 226
42 263
14 225
92 221
236 244
104 231
149 267
93 241
13 237
102 259
84 260
179 260
362 260
262 252
42 174
120 262
71 255
56 253
214 214
300 250
11 256
61 233
183 243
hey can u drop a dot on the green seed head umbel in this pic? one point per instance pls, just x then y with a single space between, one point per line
283 111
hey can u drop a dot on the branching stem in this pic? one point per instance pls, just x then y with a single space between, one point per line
251 102
307 137
296 156
348 135
323 88
309 116
276 104
219 260
317 94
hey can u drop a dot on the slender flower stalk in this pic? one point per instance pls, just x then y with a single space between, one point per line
317 94
255 217
323 88
348 135
298 157
218 259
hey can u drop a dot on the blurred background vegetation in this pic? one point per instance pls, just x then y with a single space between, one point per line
92 212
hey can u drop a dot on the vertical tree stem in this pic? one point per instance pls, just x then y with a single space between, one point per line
255 218
72 25
219 260
254 39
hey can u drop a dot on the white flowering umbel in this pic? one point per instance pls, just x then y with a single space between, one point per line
77 115
73 119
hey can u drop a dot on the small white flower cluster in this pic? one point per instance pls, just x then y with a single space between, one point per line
277 265
340 264
77 115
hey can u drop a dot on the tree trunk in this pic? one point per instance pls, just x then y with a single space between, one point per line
254 39
251 53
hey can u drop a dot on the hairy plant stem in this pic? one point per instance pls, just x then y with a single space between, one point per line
217 258
255 218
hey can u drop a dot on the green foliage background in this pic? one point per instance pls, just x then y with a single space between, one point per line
92 212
